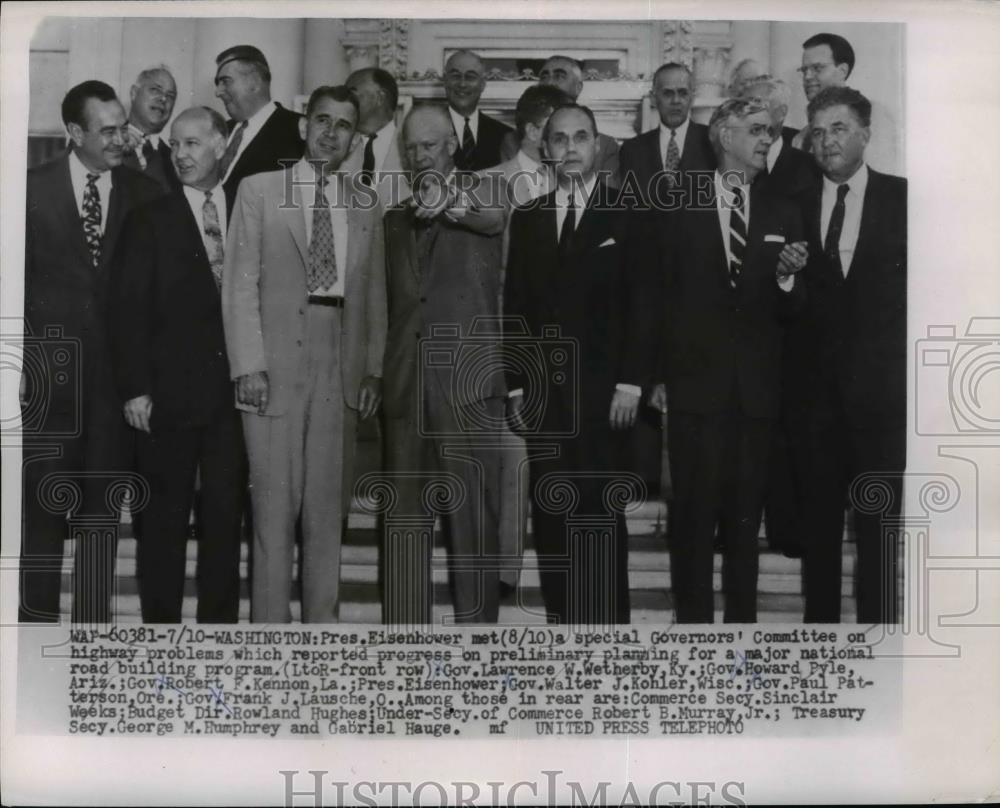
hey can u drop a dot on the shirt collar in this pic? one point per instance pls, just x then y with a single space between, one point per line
679 133
724 190
257 120
387 132
858 183
458 121
196 197
79 171
527 163
562 195
153 137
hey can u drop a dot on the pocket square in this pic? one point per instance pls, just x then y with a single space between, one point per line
779 239
609 242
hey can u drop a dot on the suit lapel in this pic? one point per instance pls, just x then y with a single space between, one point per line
295 219
68 212
357 229
118 204
651 149
870 225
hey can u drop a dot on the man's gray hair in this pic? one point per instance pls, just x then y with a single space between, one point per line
774 91
151 72
739 108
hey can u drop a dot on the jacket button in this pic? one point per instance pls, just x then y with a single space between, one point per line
298 342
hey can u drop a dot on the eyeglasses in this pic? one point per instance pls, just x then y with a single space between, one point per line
816 68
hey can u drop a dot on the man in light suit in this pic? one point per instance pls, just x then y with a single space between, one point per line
173 379
478 135
152 100
76 206
848 385
569 269
263 135
726 263
565 74
443 261
303 304
378 157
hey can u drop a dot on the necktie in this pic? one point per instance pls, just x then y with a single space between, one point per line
92 218
232 148
672 160
368 164
831 245
568 226
737 236
213 237
148 150
468 145
322 272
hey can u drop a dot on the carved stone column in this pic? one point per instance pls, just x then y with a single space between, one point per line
361 41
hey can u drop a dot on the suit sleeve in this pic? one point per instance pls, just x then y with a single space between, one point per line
133 274
378 313
487 213
640 314
241 283
791 302
515 302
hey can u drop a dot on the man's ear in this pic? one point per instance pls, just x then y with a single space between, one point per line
452 144
355 140
220 147
132 93
303 126
75 133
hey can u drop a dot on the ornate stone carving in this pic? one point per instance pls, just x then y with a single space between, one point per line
393 46
677 43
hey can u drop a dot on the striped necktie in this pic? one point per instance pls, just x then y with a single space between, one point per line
737 236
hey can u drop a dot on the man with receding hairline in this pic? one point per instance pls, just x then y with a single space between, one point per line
378 157
173 379
152 100
478 135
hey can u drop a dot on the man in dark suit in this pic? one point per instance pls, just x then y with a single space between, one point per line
850 385
443 264
478 135
263 135
567 270
151 104
656 161
727 262
75 208
173 379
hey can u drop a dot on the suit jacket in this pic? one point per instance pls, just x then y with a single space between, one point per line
277 140
264 293
487 151
794 176
391 182
65 297
594 300
641 157
607 165
721 341
166 317
852 336
518 194
444 283
158 167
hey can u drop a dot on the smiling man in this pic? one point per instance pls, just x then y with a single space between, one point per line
262 133
478 135
76 205
173 379
727 265
304 301
152 100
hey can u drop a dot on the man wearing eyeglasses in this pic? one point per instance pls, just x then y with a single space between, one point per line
828 61
479 136
727 265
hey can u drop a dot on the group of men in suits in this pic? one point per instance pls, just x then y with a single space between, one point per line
246 294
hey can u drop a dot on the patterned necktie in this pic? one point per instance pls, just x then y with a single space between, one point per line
232 148
468 145
322 272
92 218
368 164
737 236
672 160
568 226
213 237
831 245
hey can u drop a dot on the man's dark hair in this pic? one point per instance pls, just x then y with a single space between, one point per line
673 66
841 49
860 106
572 105
338 93
76 99
536 104
387 84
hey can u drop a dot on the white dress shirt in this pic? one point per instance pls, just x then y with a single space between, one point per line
853 203
680 135
196 199
458 121
254 124
384 138
78 176
305 178
725 201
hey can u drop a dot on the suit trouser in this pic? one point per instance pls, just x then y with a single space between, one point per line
411 459
301 466
513 504
91 459
830 454
718 463
169 459
583 548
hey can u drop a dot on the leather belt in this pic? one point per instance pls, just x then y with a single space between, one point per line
326 300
